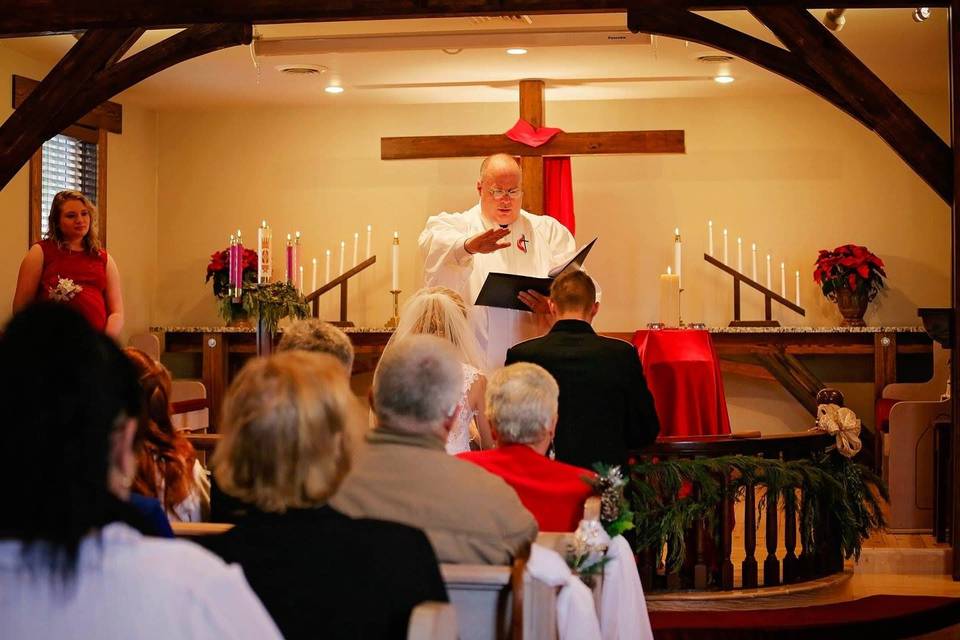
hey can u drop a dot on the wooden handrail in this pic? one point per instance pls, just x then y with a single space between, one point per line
791 445
769 295
340 281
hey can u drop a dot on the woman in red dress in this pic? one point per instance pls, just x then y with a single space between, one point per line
71 267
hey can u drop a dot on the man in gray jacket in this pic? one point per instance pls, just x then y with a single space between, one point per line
403 474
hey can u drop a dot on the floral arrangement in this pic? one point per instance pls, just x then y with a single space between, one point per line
850 267
65 290
615 513
270 302
218 270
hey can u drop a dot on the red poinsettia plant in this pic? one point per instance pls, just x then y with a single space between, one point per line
219 270
852 267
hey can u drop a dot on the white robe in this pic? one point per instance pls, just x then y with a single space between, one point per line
447 263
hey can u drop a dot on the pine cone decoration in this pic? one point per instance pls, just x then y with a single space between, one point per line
610 504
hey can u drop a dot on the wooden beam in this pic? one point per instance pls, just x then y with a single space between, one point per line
532 110
23 17
563 144
27 127
906 133
793 376
107 115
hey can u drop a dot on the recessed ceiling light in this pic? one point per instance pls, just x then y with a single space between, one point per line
723 79
334 88
516 51
301 69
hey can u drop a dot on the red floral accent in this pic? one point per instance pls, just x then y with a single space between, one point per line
849 266
219 270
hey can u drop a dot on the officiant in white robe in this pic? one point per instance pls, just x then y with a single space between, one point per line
460 249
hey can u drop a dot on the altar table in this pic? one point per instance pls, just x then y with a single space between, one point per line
683 374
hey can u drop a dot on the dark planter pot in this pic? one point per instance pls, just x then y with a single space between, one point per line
852 307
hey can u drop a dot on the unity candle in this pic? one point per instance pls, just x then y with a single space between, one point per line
395 263
669 299
753 251
264 254
677 248
343 250
289 274
369 238
326 273
710 237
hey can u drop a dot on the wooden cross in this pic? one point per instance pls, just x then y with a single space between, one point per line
531 158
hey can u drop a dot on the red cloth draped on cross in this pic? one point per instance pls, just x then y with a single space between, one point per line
557 181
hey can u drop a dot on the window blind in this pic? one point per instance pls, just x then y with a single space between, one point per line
68 163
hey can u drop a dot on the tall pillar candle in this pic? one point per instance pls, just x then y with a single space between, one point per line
710 237
264 253
369 239
678 256
753 256
669 299
395 263
343 250
289 274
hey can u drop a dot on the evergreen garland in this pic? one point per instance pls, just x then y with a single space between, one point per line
670 496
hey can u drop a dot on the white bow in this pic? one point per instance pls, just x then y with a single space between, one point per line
842 423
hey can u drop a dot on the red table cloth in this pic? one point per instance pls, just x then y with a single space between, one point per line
683 375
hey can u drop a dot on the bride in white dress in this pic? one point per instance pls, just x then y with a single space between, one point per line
442 312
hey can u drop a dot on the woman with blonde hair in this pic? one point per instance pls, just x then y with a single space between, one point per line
290 433
442 312
71 267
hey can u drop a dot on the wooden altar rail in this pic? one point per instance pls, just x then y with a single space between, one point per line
768 297
340 281
798 565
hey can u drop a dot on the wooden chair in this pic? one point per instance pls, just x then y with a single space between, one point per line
149 343
189 405
910 464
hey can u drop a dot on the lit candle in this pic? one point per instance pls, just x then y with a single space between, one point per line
356 244
232 266
395 263
369 238
740 255
289 274
710 237
326 273
797 274
343 250
300 281
753 251
238 291
783 279
768 272
726 255
677 249
313 281
264 253
669 299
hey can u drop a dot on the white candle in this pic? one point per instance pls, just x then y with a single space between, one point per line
300 281
395 263
783 279
264 253
326 273
313 281
677 249
343 250
798 288
753 250
768 273
369 238
356 243
710 237
726 255
669 299
740 255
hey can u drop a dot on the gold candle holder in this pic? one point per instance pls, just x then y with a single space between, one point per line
680 308
392 322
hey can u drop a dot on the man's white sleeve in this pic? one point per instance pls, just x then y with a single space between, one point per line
445 260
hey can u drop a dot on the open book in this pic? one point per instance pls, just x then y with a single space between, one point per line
501 289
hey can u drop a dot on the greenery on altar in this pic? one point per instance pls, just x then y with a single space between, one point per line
270 302
669 496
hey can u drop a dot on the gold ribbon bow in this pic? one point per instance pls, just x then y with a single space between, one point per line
842 423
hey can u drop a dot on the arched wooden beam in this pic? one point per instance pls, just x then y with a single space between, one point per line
24 131
41 117
906 133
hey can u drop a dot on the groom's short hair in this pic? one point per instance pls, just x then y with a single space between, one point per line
573 291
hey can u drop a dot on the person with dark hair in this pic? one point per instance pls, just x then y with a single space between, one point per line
167 465
71 267
605 406
68 567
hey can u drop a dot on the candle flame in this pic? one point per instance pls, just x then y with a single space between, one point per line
739 240
343 244
669 270
298 235
328 253
314 261
369 228
709 223
754 246
238 233
356 234
263 224
724 232
288 237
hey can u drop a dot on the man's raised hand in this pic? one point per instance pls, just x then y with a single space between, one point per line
487 242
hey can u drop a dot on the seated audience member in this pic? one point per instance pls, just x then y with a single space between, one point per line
167 465
68 568
405 475
312 334
441 312
605 406
522 410
290 427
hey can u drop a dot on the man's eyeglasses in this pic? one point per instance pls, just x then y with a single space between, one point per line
500 193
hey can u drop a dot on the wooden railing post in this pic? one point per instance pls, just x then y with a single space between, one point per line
791 565
726 535
771 566
699 566
748 568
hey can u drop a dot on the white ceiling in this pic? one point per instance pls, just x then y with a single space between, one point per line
909 57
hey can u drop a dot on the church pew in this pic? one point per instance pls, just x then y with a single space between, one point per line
433 621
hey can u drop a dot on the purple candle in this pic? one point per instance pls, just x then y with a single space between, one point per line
238 291
232 261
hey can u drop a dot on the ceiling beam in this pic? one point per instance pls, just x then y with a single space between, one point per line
31 17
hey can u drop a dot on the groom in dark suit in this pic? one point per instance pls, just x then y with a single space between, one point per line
605 406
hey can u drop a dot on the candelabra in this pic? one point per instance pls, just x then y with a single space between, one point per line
392 322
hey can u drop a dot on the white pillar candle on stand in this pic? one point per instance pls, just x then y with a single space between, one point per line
313 281
264 253
798 288
669 299
753 252
710 237
783 279
677 256
343 250
326 273
769 283
395 263
726 254
356 244
740 255
369 239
